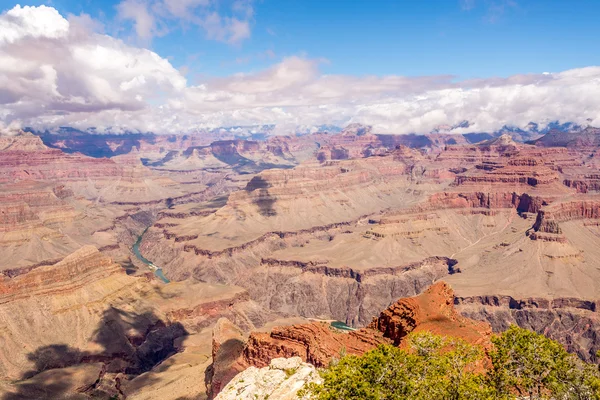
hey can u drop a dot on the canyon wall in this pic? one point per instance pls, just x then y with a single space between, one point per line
573 322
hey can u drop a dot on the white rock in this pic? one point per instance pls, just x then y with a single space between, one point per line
281 380
285 363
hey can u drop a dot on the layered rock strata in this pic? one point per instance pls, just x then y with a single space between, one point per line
101 325
571 321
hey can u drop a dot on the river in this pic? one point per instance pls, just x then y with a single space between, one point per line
157 270
342 326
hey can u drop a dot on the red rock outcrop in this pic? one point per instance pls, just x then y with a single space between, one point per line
490 200
27 158
318 342
432 311
547 223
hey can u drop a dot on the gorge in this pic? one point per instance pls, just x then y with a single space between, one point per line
142 266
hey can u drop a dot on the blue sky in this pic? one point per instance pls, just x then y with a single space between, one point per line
478 38
401 66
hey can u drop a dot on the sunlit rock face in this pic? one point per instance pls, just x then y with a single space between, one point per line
281 380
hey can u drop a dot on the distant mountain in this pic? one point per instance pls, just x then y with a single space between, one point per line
533 132
449 128
588 137
530 132
110 143
357 129
504 140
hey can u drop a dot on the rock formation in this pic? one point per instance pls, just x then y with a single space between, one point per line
281 380
318 342
432 311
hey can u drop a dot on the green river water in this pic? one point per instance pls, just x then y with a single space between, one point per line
342 326
136 250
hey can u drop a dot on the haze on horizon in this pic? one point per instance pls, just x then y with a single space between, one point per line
176 66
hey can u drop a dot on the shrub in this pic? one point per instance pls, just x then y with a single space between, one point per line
430 367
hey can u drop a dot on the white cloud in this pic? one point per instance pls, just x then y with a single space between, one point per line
10 129
67 69
34 22
137 11
150 17
68 75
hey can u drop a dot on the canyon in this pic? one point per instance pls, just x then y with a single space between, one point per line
265 241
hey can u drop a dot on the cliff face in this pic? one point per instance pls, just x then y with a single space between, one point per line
547 223
573 322
489 200
69 275
501 161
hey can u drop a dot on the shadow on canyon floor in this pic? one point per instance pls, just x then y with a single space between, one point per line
128 343
265 201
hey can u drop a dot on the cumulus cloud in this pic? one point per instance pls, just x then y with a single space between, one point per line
150 17
59 72
65 68
36 22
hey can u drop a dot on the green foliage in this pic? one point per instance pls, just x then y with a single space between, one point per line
523 364
532 365
433 368
289 372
